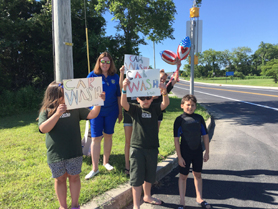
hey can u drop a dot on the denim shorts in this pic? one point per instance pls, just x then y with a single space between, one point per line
71 166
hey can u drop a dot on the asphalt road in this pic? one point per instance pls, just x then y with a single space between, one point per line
243 168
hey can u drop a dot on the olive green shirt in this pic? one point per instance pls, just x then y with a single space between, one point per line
145 126
64 140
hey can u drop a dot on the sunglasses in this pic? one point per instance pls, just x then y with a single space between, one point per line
143 98
103 61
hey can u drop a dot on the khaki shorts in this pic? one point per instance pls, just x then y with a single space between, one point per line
143 164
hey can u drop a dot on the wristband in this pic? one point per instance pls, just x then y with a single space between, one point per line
164 94
123 91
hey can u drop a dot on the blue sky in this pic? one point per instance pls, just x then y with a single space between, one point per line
227 24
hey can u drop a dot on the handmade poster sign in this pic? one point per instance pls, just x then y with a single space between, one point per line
83 92
135 62
143 83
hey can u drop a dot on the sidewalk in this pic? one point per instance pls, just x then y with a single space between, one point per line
122 196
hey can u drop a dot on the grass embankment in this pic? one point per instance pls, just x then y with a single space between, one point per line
249 82
25 178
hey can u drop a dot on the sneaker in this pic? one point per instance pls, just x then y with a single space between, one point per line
91 174
108 167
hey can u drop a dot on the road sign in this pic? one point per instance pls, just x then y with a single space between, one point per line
229 73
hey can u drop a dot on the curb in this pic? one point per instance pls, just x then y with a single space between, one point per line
120 197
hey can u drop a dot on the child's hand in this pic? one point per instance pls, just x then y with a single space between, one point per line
122 69
206 157
102 96
62 108
163 89
181 162
126 82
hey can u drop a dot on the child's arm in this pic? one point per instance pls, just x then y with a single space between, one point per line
122 71
175 80
48 125
165 99
206 142
178 150
95 111
120 116
124 102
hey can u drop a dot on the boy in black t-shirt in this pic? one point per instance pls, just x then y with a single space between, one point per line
144 143
190 127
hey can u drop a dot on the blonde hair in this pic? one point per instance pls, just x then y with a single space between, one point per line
112 69
52 95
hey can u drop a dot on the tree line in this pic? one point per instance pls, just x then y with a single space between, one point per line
26 50
241 61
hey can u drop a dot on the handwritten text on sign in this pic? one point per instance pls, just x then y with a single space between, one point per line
143 83
135 62
83 92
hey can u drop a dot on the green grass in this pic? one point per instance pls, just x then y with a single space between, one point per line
25 178
249 82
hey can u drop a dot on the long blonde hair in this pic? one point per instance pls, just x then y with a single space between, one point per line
112 69
51 98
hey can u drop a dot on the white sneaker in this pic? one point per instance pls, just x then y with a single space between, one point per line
108 167
91 174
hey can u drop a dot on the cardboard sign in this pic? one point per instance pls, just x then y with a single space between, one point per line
83 92
143 83
135 62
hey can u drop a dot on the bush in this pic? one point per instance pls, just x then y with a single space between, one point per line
25 99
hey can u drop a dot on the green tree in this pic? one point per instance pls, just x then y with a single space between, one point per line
270 69
152 19
242 59
210 59
266 52
25 43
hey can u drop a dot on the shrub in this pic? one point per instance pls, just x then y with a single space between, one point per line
25 99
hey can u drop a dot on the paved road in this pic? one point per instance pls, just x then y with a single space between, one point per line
243 168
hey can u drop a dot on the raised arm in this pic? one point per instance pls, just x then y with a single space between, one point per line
165 99
176 78
124 102
122 72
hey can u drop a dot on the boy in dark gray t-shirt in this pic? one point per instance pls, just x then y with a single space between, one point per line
144 143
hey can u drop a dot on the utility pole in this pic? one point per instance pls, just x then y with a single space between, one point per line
192 32
194 16
62 40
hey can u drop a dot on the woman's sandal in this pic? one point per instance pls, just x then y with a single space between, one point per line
127 172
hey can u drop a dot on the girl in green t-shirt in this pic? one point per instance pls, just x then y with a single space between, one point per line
63 141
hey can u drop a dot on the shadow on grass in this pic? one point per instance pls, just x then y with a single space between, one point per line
19 120
116 160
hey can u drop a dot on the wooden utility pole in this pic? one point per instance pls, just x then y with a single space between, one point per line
62 40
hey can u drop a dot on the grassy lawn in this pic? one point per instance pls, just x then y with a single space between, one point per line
249 82
25 178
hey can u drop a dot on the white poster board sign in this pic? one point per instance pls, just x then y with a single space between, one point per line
83 92
135 62
143 83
